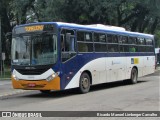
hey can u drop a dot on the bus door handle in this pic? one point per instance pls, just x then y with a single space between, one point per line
121 68
110 69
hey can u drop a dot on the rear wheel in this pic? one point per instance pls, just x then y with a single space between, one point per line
134 76
84 83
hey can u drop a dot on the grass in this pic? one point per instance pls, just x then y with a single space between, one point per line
6 74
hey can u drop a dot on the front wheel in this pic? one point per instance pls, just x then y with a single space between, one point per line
84 83
134 76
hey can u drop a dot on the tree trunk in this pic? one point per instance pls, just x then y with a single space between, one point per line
6 27
134 25
154 25
144 26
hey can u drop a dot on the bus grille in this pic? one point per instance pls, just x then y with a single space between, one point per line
32 72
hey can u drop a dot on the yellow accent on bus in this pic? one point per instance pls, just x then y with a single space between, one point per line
136 60
34 28
38 84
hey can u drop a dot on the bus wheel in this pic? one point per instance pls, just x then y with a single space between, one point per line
134 76
45 91
84 83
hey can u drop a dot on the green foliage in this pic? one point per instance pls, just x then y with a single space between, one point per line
157 39
137 15
134 15
20 9
49 10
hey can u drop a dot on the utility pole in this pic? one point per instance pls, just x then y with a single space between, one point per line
0 48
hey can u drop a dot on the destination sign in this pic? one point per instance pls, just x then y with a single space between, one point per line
34 28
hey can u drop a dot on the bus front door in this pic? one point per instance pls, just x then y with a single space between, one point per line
69 60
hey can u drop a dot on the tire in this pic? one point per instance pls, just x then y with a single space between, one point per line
45 91
84 83
134 76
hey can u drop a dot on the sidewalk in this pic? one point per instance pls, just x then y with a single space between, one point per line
5 79
158 68
5 82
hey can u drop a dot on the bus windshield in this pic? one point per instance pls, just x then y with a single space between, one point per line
34 49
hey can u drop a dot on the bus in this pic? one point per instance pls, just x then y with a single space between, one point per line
50 56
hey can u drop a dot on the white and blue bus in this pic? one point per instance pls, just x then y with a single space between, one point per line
57 56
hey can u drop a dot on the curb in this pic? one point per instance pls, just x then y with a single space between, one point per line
158 68
14 93
3 79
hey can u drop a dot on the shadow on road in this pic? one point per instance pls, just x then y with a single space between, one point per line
112 85
67 93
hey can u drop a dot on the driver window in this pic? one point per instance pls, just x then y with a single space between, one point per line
68 46
72 44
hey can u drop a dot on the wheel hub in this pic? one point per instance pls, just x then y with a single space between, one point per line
85 82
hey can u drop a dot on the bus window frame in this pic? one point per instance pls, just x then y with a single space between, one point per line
64 37
99 42
149 45
92 41
112 43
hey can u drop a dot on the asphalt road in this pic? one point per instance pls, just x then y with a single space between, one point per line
117 96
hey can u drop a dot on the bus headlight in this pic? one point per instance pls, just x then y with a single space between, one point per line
51 77
14 76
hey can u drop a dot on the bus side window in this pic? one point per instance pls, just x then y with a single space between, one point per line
132 49
82 47
84 41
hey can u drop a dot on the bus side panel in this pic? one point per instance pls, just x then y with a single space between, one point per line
97 69
149 65
115 68
134 61
94 63
144 64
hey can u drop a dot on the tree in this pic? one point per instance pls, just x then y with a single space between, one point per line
51 10
6 27
20 9
134 15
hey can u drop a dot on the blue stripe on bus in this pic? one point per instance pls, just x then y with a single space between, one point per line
77 62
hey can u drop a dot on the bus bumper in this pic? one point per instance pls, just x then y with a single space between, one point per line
36 84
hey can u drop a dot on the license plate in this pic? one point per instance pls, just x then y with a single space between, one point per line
31 85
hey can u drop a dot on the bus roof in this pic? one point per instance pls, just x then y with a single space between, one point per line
97 27
100 27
